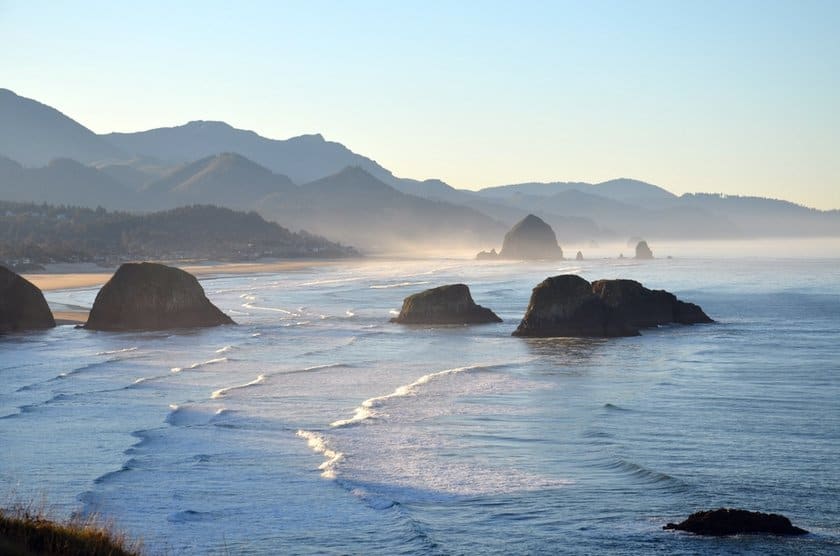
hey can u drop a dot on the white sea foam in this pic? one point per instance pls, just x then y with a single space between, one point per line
319 445
349 313
224 349
115 351
201 364
223 391
368 408
399 285
272 309
330 281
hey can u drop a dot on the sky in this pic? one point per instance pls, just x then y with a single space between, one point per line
735 97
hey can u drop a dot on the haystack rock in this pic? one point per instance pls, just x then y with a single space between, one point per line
643 251
450 304
22 305
564 306
531 238
725 521
150 296
643 308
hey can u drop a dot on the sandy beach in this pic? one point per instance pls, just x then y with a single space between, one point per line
89 276
66 276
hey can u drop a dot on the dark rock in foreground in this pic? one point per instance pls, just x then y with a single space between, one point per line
150 296
531 238
725 521
643 251
564 306
22 305
450 304
644 308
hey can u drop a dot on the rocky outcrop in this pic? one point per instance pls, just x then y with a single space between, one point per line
150 296
487 255
531 238
22 305
564 306
643 251
725 521
579 256
450 304
643 308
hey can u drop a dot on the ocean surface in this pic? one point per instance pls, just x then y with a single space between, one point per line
316 426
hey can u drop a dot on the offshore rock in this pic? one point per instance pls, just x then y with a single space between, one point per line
531 238
22 305
451 304
564 306
643 251
643 308
150 296
727 521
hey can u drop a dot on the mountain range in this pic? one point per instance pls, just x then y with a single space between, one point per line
323 187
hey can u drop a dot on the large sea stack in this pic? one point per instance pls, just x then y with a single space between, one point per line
643 308
450 304
531 238
725 521
22 305
564 306
643 251
150 296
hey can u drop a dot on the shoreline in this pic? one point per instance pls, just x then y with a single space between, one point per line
81 278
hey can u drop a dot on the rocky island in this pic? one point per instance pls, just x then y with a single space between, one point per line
22 305
151 296
726 521
451 304
530 239
568 305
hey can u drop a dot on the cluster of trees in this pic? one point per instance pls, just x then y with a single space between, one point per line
36 234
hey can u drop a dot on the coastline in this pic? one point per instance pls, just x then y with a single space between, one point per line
68 277
82 276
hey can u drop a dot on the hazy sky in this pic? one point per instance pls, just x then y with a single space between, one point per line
733 97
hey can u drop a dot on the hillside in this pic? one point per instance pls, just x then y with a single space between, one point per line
34 134
302 159
355 207
43 234
227 179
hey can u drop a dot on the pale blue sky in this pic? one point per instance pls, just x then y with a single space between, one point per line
734 97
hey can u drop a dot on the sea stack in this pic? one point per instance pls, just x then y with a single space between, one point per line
643 251
150 296
725 521
579 256
451 304
531 238
564 306
22 305
643 308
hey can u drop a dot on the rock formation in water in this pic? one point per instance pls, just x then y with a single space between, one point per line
564 306
643 308
450 304
725 521
531 238
643 251
579 256
150 296
487 256
22 305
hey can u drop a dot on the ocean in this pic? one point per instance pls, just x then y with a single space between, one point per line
315 426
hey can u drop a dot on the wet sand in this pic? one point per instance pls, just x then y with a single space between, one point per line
48 281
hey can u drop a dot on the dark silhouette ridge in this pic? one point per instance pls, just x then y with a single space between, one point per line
726 521
451 304
22 305
151 296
